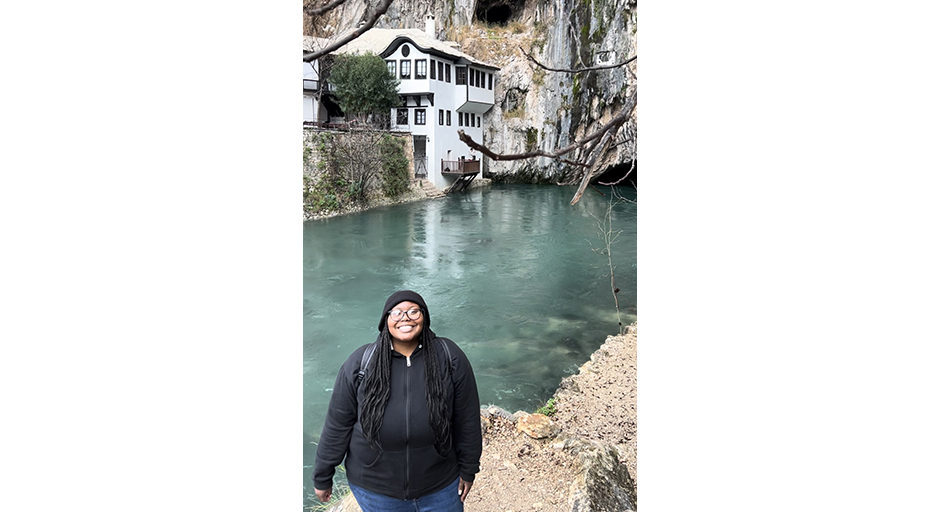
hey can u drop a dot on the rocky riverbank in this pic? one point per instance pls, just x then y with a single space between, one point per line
578 457
416 192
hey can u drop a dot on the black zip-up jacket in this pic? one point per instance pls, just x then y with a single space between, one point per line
409 466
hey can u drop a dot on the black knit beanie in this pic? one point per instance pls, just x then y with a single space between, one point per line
402 296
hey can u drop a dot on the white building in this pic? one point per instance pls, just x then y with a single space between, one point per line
313 110
443 91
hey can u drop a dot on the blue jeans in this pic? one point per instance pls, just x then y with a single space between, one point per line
445 500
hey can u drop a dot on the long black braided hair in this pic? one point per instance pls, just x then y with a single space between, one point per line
376 389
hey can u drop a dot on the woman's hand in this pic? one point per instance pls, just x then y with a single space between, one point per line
327 494
463 488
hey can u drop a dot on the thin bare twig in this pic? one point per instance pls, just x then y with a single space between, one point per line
632 166
339 43
582 70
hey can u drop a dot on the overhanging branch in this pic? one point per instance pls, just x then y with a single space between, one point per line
555 155
342 41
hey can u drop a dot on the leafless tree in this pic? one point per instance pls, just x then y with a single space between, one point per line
607 236
354 159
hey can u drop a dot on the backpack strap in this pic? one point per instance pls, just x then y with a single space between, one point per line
366 357
450 362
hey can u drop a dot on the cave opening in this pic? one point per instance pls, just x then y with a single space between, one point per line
616 173
498 12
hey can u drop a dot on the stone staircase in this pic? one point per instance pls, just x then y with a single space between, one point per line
430 190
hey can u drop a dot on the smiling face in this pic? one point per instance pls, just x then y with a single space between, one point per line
405 329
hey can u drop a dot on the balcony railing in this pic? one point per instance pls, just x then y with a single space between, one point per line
460 166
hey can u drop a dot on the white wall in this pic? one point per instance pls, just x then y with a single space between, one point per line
310 71
480 94
309 108
310 104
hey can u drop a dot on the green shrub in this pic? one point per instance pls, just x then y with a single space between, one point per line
395 176
548 409
531 139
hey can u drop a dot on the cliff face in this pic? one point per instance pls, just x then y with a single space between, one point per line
535 108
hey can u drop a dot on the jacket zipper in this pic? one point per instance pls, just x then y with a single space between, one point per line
407 428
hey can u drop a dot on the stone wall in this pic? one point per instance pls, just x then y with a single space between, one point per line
314 162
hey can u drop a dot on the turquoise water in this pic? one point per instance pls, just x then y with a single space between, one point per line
508 272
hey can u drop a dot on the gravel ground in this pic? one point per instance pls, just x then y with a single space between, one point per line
598 404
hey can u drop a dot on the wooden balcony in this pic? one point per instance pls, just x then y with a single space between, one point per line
460 167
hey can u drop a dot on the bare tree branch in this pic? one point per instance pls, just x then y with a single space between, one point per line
589 172
339 43
468 140
582 70
589 146
316 11
616 121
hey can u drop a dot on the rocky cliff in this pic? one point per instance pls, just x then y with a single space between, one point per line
535 108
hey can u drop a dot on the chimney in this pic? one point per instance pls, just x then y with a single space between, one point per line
429 26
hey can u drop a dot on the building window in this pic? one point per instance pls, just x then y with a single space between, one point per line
447 73
440 117
391 66
472 123
461 78
402 116
405 50
420 116
433 68
406 69
421 69
448 118
476 78
478 122
459 118
491 80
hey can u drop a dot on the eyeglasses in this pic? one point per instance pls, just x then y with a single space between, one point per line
413 314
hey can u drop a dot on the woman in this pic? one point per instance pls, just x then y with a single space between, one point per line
408 424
